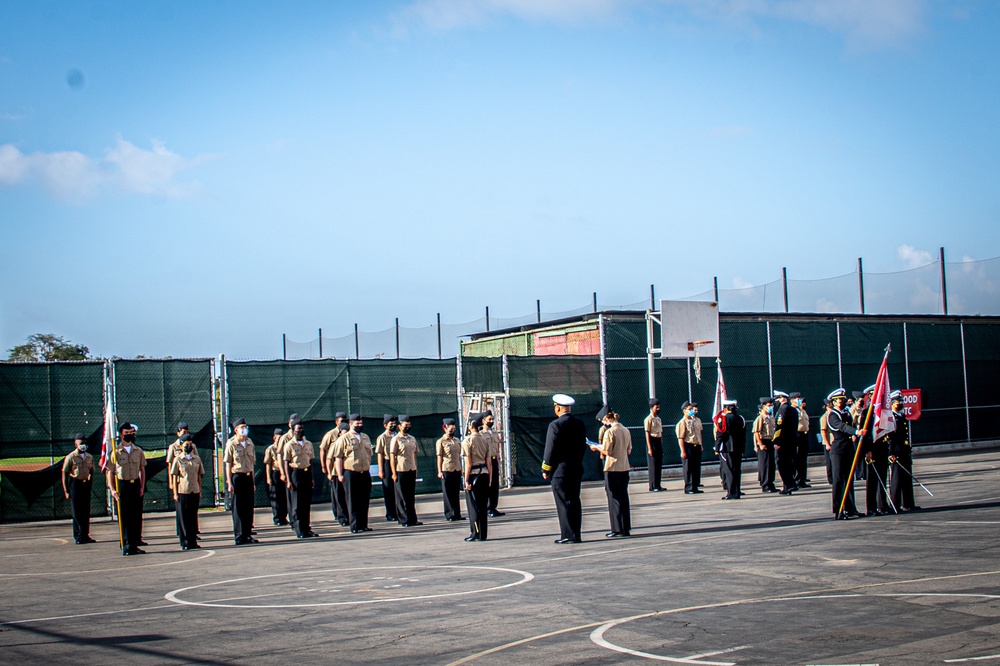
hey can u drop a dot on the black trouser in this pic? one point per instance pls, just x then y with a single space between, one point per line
765 464
616 487
785 453
566 481
802 459
187 515
495 485
655 461
732 472
450 486
901 485
406 492
338 500
300 500
278 494
388 491
829 465
79 501
876 494
358 490
130 514
692 467
841 461
242 505
476 503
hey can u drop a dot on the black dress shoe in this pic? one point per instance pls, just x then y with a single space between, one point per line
786 491
766 490
90 540
344 523
391 519
804 485
312 534
472 538
185 548
253 532
193 547
495 514
697 492
869 514
612 535
137 551
301 536
564 541
143 543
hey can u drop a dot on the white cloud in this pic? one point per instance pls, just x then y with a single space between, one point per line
740 283
914 258
73 176
864 23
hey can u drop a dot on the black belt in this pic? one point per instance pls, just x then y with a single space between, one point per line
242 473
475 467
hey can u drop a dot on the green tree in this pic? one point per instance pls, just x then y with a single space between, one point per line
48 347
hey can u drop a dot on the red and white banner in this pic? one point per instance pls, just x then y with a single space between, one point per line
718 417
881 405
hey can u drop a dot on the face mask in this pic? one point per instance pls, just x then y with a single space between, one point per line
406 428
188 448
243 431
690 412
358 428
128 438
82 448
300 436
769 409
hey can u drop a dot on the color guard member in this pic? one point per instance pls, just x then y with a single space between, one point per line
296 461
786 444
126 477
186 471
763 444
615 447
688 431
448 450
276 486
562 461
493 437
403 460
730 441
389 425
78 467
476 454
901 457
842 455
239 457
350 460
653 428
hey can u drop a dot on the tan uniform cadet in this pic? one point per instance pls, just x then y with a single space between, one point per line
296 459
129 472
277 490
186 473
448 452
827 438
338 495
763 443
239 457
385 469
802 447
350 459
493 437
78 466
653 428
688 432
403 459
616 445
476 451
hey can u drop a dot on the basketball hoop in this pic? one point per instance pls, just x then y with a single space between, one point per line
695 346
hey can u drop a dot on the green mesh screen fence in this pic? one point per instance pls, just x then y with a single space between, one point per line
265 393
155 395
983 368
42 406
935 361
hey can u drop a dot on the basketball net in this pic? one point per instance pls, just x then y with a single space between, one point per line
695 346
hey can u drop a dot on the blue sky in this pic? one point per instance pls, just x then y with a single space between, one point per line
188 179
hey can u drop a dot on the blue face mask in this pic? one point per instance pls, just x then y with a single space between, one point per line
769 409
691 412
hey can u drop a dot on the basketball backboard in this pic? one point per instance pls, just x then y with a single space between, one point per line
690 329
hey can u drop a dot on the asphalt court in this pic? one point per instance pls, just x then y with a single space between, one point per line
765 580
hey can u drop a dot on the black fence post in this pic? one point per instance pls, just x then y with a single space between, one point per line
861 286
944 284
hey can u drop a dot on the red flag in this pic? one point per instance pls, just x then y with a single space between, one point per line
718 415
109 436
881 405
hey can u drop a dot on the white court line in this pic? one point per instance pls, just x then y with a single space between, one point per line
172 596
955 661
976 501
597 636
72 617
207 553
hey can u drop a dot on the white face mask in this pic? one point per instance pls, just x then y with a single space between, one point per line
243 431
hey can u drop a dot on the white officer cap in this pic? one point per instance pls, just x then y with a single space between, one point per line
563 400
729 403
896 395
780 394
870 389
836 393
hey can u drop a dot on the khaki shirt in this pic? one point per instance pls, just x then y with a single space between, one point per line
187 473
449 449
177 449
404 448
382 443
271 456
653 425
616 445
241 458
327 442
299 455
284 439
689 430
492 438
803 420
356 450
128 464
475 449
80 466
764 426
824 428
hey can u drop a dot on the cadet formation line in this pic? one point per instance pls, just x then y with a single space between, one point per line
780 440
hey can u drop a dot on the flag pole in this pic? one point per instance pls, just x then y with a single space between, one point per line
868 417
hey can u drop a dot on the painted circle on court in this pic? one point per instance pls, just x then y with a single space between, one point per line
349 586
721 644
